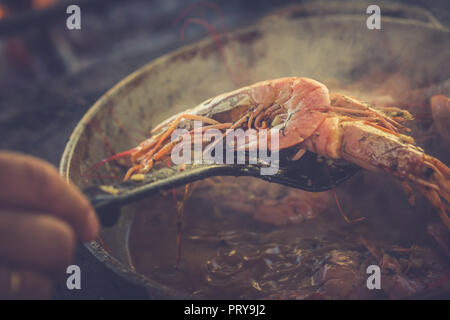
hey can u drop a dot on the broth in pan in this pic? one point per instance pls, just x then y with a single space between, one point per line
249 239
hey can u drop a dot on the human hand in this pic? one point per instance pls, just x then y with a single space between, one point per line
41 219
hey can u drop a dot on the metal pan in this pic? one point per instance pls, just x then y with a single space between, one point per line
330 43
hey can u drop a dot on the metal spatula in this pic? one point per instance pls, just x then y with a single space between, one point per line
309 173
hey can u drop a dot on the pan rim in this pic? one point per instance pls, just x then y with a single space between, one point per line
95 247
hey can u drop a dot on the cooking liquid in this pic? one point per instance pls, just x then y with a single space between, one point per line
245 238
230 250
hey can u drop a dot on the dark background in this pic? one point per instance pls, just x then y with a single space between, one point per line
50 76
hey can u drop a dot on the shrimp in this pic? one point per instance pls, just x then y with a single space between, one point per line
309 117
440 109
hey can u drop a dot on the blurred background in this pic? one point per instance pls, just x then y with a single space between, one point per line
50 76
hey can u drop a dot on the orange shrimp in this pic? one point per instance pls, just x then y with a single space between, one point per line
440 109
339 127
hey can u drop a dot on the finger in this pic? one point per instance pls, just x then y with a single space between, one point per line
23 284
35 241
27 182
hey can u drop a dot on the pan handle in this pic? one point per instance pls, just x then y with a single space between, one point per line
320 8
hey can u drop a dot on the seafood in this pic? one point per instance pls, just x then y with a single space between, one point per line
308 117
440 108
